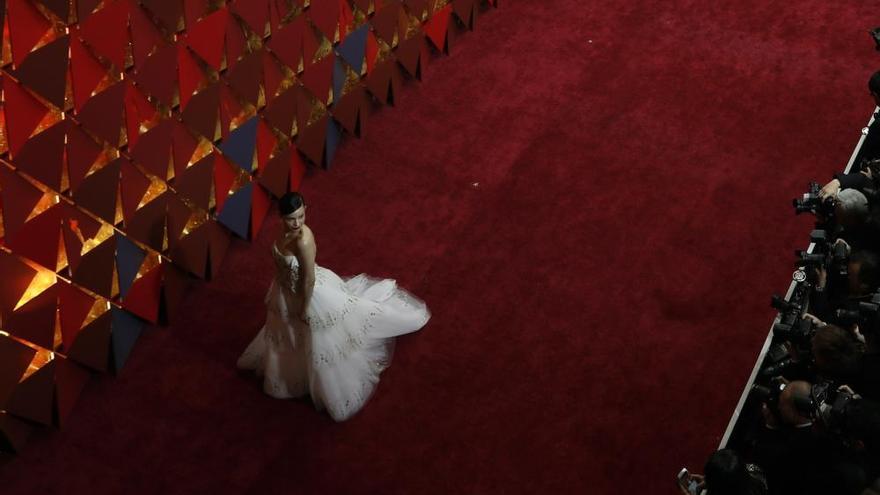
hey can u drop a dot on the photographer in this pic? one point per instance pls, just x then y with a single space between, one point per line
862 279
792 454
727 474
859 179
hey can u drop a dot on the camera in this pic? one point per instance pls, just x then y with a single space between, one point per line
812 203
865 314
875 35
826 403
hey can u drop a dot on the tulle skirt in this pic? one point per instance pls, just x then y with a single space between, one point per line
337 357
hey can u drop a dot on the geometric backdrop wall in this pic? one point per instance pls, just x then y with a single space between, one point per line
138 136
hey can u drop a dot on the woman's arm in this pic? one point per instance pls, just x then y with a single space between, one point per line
305 255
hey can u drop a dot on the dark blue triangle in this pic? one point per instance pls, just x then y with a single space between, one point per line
334 135
354 47
338 79
236 213
125 332
239 146
128 260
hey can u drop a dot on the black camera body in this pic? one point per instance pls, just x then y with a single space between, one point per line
812 203
865 314
825 403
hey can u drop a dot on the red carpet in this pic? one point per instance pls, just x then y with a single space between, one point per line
596 226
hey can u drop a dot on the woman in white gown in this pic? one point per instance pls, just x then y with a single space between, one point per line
325 336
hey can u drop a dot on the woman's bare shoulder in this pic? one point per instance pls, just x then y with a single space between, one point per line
306 240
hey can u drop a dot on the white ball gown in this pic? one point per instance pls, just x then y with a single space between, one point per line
337 357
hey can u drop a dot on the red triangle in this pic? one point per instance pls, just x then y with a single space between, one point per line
92 345
346 19
23 114
202 111
86 72
287 42
35 321
224 175
255 13
169 13
206 37
245 78
280 113
194 184
183 145
236 41
45 71
325 16
95 269
138 111
144 36
178 216
190 75
43 156
230 109
82 151
158 75
437 27
34 240
193 10
305 102
317 78
76 221
104 114
32 398
134 185
385 21
372 51
70 380
191 251
84 9
266 144
311 141
275 174
272 76
73 305
153 149
148 223
409 54
19 199
16 278
61 8
143 296
27 26
260 203
106 31
97 193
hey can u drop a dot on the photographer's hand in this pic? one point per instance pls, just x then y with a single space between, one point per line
770 420
821 277
816 321
829 190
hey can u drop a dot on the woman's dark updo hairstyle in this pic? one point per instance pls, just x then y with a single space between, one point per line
290 202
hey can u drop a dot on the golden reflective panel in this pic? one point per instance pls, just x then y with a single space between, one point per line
157 187
41 281
104 232
99 307
48 200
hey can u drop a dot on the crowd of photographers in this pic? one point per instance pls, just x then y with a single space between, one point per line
811 423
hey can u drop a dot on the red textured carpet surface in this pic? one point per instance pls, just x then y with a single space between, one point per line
593 198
